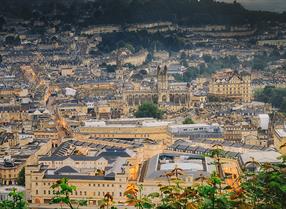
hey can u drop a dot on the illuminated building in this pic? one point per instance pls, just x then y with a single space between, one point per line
231 85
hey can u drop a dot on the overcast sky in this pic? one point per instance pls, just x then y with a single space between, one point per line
267 5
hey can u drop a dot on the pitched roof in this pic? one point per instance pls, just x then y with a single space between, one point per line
66 169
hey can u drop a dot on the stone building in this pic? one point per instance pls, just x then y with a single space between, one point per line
231 85
93 170
279 134
137 128
24 153
162 92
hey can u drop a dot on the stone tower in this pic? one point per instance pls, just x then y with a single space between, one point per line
162 84
119 73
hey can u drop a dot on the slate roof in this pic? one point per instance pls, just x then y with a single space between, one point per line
66 169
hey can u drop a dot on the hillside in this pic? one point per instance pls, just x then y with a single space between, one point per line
184 12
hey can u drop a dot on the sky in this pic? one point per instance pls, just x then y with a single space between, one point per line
267 5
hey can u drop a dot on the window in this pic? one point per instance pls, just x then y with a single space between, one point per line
37 192
44 191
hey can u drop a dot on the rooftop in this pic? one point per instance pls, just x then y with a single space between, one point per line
191 164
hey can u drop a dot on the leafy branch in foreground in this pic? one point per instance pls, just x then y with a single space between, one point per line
16 201
265 188
62 191
107 202
137 199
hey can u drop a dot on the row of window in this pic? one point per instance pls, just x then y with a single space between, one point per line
98 185
112 135
79 193
8 176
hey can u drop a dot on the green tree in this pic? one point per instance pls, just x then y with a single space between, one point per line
183 56
148 109
188 120
107 202
21 177
267 187
16 201
212 195
137 199
62 191
207 58
274 96
209 194
12 40
2 22
283 105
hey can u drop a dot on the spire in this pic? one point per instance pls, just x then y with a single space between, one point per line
118 61
158 70
165 70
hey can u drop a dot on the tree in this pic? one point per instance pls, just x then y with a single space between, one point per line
213 196
207 58
188 120
21 177
136 198
183 56
12 40
62 191
17 201
283 105
148 109
2 22
106 202
275 96
265 188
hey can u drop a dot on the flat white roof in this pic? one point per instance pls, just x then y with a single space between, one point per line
184 166
261 156
263 116
189 126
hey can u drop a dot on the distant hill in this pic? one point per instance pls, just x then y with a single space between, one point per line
90 12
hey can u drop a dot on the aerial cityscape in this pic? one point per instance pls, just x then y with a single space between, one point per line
144 104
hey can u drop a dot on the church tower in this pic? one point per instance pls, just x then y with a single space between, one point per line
162 84
119 73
